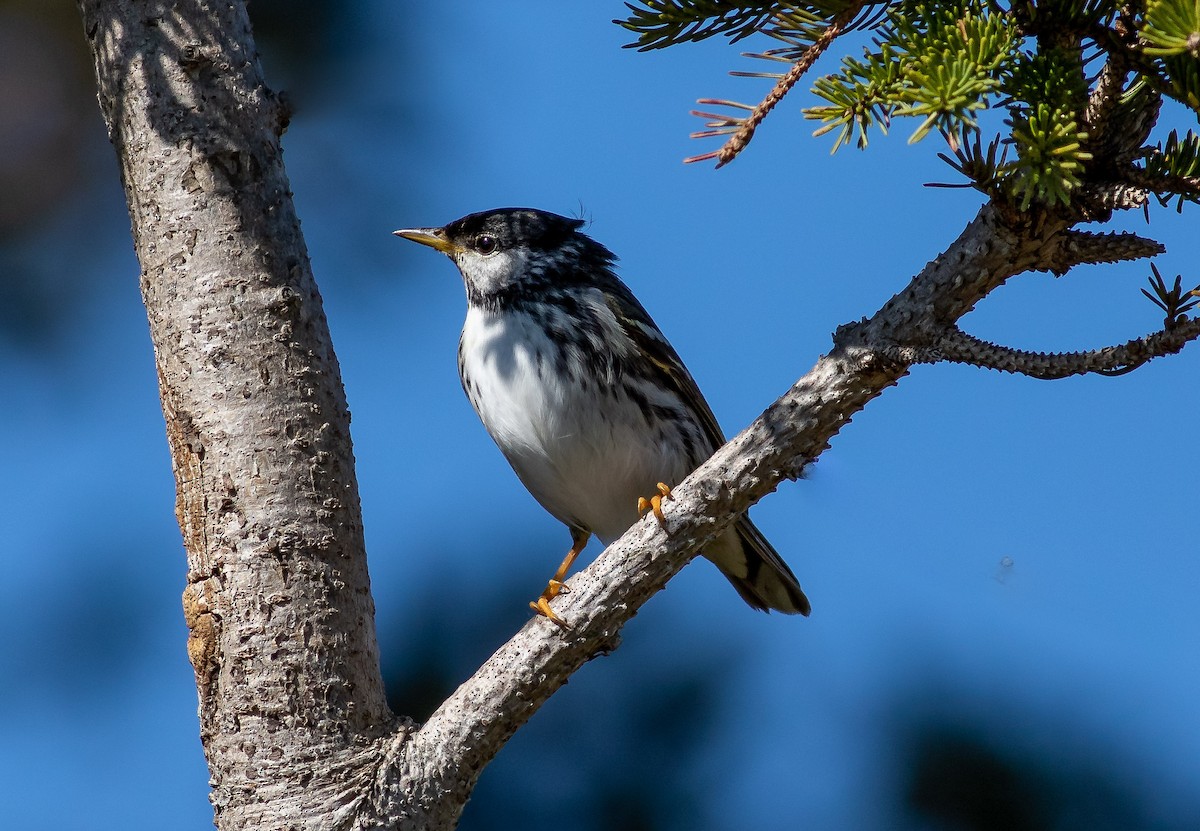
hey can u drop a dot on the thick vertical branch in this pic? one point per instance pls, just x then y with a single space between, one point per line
278 603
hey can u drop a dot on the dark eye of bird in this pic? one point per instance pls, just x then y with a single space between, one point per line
486 244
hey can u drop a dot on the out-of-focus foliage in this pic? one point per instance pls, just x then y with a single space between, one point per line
579 749
57 169
968 762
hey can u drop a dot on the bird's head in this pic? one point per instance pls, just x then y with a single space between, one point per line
510 251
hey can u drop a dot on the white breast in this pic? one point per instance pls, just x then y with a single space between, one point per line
586 470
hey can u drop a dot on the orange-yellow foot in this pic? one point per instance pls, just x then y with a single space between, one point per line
555 587
542 607
654 503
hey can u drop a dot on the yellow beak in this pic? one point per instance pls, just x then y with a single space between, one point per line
433 237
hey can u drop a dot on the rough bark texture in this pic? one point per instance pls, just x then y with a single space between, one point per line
277 600
292 712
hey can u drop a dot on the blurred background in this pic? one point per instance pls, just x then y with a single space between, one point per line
1003 571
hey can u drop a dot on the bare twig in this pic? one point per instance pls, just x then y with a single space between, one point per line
957 346
1086 247
737 142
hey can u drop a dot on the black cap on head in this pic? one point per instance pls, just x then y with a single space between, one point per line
516 227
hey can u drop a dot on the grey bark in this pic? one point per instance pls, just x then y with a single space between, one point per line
278 599
292 713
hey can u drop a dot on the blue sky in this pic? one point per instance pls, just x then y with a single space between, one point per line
1011 549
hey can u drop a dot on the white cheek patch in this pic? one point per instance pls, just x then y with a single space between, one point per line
493 272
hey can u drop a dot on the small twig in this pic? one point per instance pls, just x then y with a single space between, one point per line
737 142
1090 248
1174 301
957 346
1185 185
1098 201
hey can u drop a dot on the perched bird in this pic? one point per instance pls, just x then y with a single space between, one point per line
583 394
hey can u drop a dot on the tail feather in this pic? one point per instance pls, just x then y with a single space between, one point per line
757 571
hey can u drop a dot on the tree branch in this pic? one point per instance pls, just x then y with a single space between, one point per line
1188 186
959 347
1088 248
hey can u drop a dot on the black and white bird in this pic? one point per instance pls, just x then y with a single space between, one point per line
583 394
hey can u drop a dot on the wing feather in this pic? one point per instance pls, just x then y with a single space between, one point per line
670 372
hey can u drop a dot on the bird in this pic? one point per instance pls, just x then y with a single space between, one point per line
583 394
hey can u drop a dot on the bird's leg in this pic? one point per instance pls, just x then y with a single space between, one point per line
654 503
555 587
